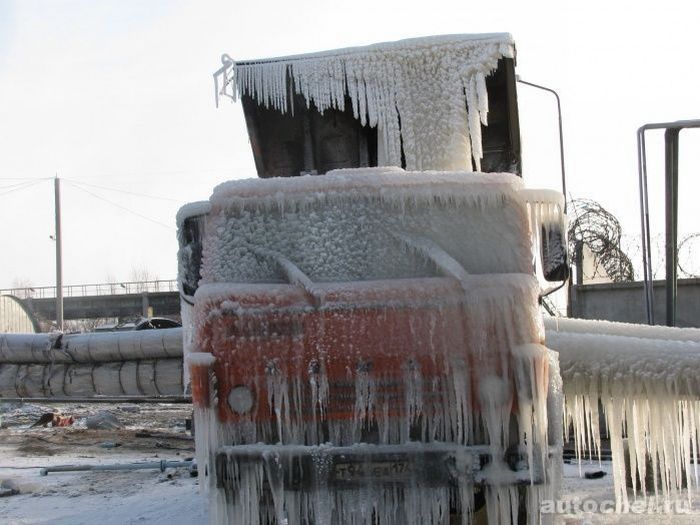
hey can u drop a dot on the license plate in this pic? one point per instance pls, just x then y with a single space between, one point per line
377 470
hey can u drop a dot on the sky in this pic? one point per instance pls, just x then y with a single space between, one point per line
116 98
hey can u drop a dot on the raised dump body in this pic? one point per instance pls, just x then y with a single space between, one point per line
368 350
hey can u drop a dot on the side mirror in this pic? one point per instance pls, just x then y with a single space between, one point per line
190 234
554 255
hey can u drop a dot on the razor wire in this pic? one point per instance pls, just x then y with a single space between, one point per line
598 229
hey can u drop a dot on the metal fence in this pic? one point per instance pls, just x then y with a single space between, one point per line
84 290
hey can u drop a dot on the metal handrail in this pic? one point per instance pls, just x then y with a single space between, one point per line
671 177
94 289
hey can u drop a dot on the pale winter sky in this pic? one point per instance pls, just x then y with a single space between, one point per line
119 95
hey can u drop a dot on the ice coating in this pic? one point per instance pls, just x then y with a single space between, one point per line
650 392
408 330
190 230
191 209
489 389
353 225
427 93
587 326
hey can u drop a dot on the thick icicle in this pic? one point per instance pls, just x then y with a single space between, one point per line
425 83
650 392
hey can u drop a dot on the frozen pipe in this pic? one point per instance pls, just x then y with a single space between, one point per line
586 326
99 399
162 465
91 348
147 378
595 363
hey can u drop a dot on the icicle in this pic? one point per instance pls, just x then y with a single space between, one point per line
448 356
650 393
386 82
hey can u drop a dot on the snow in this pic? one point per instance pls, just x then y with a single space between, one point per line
322 292
86 498
649 390
105 498
428 94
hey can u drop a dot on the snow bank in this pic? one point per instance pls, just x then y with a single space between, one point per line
427 93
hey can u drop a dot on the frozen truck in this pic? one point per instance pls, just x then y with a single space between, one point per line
362 325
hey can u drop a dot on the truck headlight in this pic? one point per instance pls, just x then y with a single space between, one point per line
241 399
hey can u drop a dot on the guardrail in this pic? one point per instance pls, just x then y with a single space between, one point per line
83 290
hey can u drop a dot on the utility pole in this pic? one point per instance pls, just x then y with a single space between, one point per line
59 259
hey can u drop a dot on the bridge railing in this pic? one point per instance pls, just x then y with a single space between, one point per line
86 290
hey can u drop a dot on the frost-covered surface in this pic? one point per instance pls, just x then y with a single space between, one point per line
373 306
427 93
583 326
190 230
186 313
369 224
150 378
138 363
90 347
650 393
191 209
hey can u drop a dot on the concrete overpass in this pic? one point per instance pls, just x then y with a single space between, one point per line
610 301
94 301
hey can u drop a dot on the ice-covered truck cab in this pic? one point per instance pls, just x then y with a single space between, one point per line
369 327
367 343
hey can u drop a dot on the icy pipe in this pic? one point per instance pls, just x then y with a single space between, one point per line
161 465
91 347
650 394
148 378
100 399
607 364
585 326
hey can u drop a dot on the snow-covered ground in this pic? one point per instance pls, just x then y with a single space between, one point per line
592 501
104 497
173 497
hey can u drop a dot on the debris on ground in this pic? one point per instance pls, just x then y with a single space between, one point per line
594 474
102 420
53 419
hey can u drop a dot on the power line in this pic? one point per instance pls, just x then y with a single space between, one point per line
24 178
121 207
21 186
122 191
165 172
